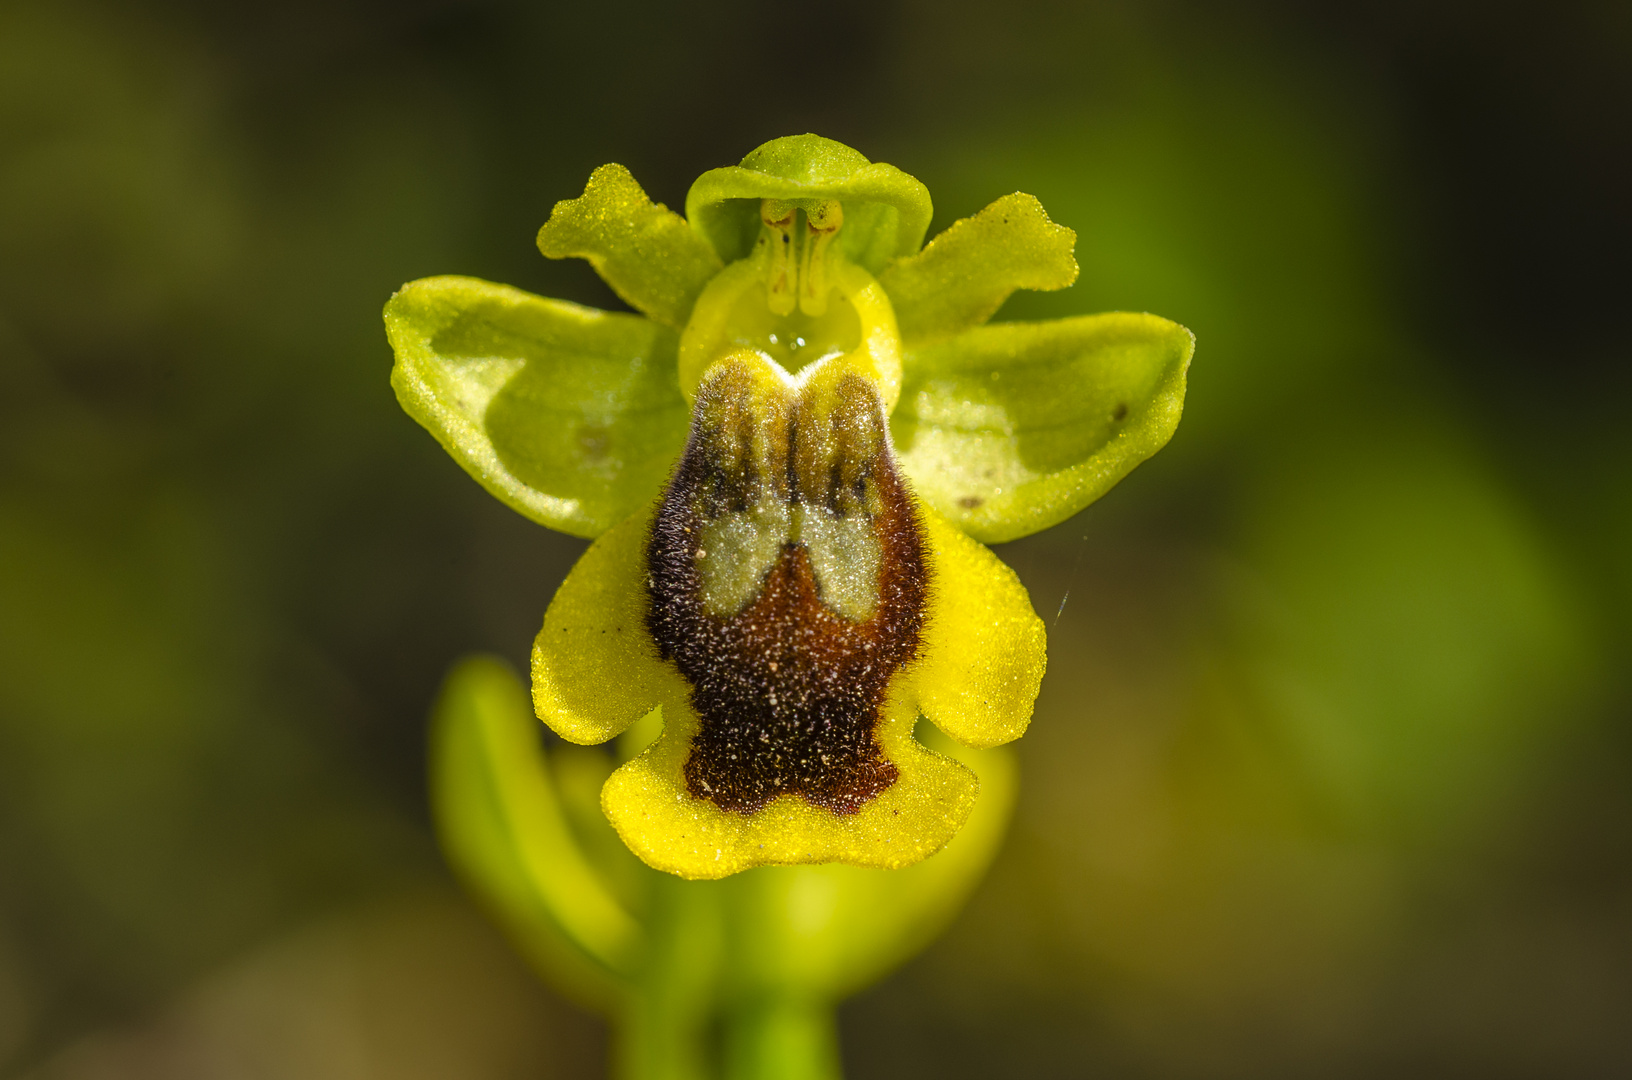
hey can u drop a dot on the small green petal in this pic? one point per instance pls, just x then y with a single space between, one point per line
501 822
965 274
569 415
886 212
644 250
1010 428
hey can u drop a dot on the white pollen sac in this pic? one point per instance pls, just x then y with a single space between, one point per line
844 556
737 550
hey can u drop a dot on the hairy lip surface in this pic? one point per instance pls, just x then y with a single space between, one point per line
788 691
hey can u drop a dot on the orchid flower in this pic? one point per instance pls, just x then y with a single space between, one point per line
789 465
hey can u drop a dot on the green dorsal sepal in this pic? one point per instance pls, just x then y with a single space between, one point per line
645 251
886 212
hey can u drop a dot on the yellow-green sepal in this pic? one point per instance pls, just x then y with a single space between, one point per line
1009 428
644 250
502 825
963 276
886 212
569 415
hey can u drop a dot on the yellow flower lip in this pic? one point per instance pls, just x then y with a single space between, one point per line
789 682
597 671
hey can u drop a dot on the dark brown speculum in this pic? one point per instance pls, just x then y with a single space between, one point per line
787 575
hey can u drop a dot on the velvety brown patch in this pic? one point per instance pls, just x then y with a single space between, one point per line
788 690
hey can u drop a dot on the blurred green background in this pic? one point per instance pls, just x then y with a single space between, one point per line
1332 772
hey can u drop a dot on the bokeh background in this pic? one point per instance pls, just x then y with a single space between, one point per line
1332 772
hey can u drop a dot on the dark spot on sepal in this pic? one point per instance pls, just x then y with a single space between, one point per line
594 441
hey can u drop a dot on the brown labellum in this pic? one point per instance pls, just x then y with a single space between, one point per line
788 580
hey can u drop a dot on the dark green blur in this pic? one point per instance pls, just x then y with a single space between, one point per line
1332 773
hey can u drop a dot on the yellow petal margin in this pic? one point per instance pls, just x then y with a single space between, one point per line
595 667
647 802
984 648
596 671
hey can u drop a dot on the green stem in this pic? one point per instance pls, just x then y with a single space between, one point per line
663 1026
775 1037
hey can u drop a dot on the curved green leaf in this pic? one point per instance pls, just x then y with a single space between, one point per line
886 212
1010 428
502 825
965 274
644 250
569 415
